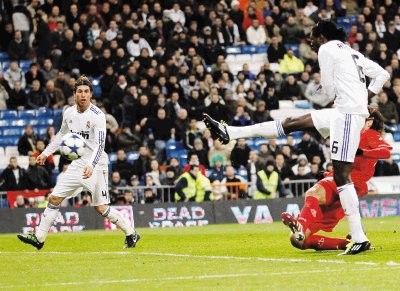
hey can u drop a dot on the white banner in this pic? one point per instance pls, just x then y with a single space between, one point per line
384 185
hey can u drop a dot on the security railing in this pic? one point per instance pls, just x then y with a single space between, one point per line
163 194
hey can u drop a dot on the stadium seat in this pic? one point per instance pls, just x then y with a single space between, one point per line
44 113
11 140
13 131
7 114
112 157
41 130
132 156
396 136
260 58
23 161
44 121
235 50
5 122
27 114
3 56
5 65
11 151
249 49
20 122
172 147
24 65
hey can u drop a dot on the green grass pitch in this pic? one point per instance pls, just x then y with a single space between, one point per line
229 257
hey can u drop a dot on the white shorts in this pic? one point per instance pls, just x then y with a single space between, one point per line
344 130
72 180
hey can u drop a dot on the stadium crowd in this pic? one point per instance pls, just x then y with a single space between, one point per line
161 64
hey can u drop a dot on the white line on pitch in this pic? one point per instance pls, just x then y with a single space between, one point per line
180 278
264 259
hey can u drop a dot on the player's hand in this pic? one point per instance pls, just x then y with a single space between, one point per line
359 152
41 159
87 172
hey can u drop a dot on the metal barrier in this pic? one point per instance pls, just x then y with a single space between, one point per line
227 191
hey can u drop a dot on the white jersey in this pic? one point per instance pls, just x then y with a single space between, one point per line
91 125
343 72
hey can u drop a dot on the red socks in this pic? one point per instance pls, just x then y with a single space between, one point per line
310 212
319 243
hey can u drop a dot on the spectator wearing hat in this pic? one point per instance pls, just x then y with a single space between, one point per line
302 161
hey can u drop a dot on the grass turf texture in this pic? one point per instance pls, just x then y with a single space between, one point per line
230 257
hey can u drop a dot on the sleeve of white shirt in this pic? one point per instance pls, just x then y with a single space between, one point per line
55 144
100 139
326 62
378 75
146 45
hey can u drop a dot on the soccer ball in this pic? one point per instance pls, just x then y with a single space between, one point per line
72 146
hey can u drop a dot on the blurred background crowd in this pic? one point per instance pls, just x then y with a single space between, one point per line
158 65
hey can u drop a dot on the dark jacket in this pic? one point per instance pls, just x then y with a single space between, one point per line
240 156
8 181
37 178
24 146
124 168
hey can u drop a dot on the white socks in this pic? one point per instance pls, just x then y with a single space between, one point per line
115 217
350 204
46 222
264 129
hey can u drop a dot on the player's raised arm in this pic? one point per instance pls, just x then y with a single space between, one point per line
326 63
54 145
378 75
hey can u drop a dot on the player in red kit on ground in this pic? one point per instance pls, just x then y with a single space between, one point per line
322 209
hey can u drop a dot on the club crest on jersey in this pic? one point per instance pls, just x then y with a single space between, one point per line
88 124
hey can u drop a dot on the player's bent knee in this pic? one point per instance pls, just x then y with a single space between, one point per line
297 244
54 200
101 208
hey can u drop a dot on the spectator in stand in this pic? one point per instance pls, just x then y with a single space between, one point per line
48 71
219 152
14 74
107 81
3 97
181 124
309 146
261 114
193 159
229 190
291 32
232 35
136 44
12 177
192 133
315 171
392 37
160 129
276 50
36 98
174 163
17 97
302 161
318 101
129 141
299 189
217 109
291 64
284 171
54 95
34 74
240 154
142 165
268 182
201 152
116 181
256 33
21 202
49 163
310 8
387 167
242 118
291 89
149 196
156 174
388 109
36 176
18 49
27 143
122 166
88 64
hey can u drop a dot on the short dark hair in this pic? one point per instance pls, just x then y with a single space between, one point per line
329 30
83 81
193 166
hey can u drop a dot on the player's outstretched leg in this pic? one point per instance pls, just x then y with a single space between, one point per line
49 216
132 237
294 225
275 128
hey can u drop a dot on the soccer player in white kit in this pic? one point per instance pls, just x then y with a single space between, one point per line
90 171
343 79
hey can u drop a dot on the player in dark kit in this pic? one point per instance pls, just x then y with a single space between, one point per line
322 209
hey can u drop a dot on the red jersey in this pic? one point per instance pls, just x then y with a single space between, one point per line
374 148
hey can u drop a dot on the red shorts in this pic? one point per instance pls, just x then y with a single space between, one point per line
332 211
